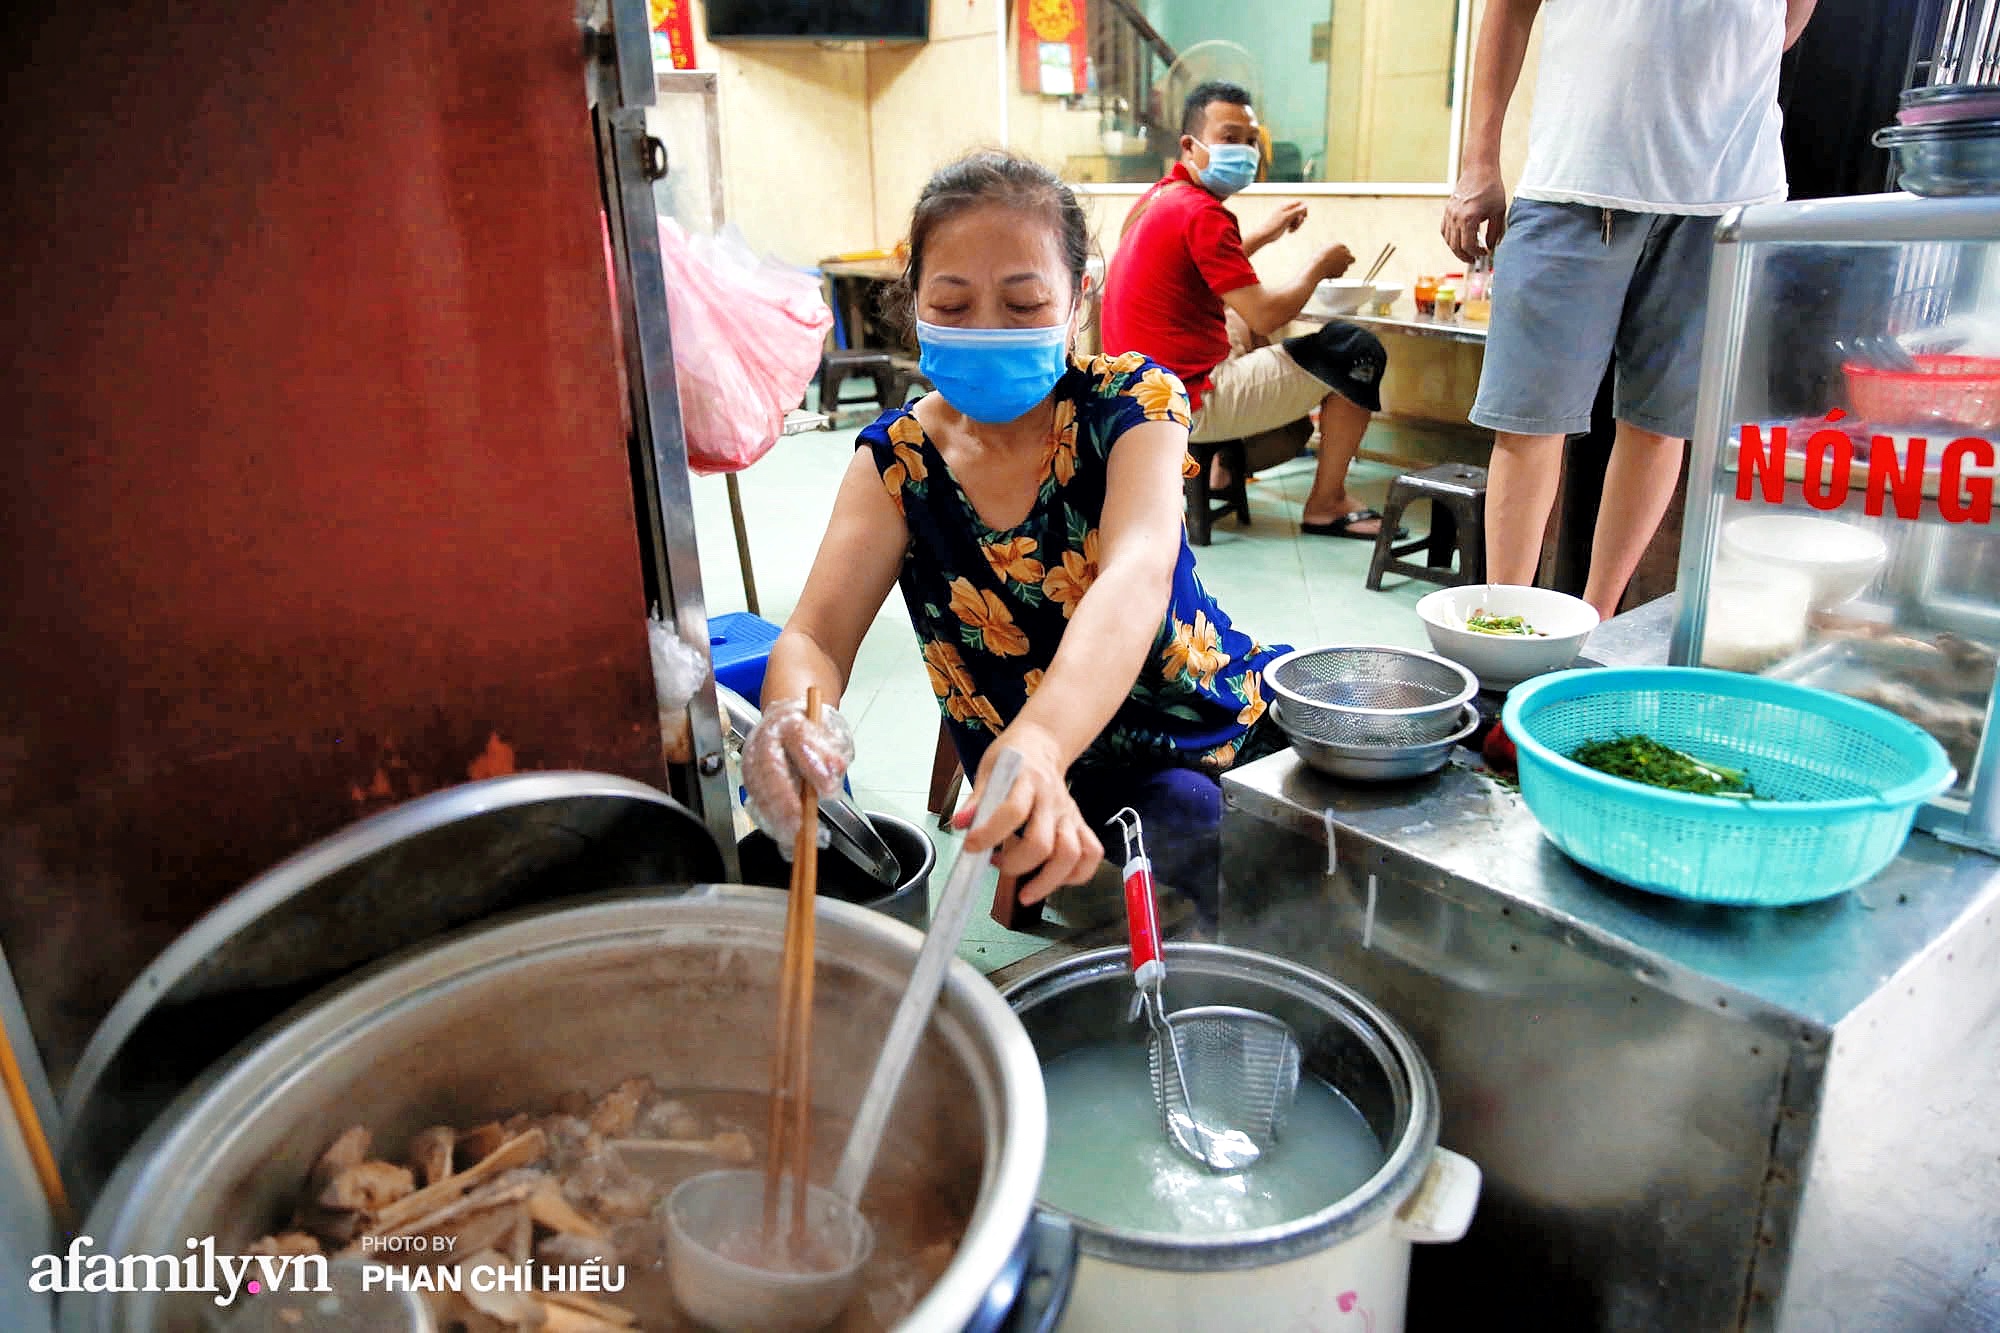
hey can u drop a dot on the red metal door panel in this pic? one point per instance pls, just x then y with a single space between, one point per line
317 495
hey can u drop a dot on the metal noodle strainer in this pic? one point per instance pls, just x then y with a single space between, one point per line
1223 1077
1369 695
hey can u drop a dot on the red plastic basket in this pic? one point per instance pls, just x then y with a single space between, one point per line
1961 390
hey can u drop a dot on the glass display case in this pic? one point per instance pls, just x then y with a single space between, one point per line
1839 525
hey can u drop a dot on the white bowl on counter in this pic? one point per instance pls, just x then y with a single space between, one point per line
1383 299
1839 559
1503 660
1340 296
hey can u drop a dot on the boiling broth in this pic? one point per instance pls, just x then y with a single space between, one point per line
1110 1161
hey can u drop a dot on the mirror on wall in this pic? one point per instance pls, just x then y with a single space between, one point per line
1350 92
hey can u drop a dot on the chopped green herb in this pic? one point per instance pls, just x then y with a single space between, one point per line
1514 626
1640 758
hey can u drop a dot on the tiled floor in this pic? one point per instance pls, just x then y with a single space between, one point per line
1276 584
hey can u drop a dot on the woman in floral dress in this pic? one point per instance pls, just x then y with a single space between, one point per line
1030 511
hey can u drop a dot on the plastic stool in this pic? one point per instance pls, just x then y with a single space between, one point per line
893 377
739 648
1202 511
1457 492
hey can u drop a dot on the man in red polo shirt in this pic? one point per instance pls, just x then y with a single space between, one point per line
1182 261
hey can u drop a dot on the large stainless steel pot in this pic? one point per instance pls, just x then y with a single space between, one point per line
510 1016
1345 1267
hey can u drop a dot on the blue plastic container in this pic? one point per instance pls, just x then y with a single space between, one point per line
739 647
1838 782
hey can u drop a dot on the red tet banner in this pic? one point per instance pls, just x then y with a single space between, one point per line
674 20
1055 46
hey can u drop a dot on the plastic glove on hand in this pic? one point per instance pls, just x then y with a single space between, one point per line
784 747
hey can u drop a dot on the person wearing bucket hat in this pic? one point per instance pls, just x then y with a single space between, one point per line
1029 510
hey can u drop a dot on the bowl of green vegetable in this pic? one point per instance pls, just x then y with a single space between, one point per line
1718 786
1505 634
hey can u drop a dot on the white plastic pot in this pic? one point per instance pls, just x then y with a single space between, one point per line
1343 1267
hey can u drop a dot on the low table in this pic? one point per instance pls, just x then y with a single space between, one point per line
1414 326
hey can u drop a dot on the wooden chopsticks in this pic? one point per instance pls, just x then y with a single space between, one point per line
1380 260
31 1130
791 1073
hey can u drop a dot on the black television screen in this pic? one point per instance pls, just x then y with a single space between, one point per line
820 20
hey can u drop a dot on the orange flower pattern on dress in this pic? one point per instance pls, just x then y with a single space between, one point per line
892 482
954 687
906 438
947 669
1070 580
1196 651
1163 397
983 613
1061 462
991 609
971 708
1253 696
1014 560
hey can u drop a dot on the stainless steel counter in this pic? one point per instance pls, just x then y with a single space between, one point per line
1690 1117
1451 330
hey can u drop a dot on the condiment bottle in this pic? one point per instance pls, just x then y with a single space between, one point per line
1476 303
1445 303
1425 292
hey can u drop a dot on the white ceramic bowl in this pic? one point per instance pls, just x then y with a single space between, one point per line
1500 660
1385 295
1839 558
1341 296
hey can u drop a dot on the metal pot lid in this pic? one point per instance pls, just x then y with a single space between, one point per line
384 884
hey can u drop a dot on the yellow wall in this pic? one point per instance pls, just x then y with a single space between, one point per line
1408 126
825 149
929 104
795 144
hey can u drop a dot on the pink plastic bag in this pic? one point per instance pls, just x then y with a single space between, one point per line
747 335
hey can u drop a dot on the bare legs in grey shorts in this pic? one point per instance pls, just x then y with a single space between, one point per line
1577 287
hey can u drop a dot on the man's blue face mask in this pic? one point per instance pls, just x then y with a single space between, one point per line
1231 166
993 375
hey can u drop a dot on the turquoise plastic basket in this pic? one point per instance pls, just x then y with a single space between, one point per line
1838 782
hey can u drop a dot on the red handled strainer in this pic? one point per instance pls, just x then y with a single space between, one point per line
1223 1077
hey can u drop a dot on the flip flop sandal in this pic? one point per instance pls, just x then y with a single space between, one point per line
1344 527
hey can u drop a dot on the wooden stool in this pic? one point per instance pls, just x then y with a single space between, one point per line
1202 511
1457 492
946 778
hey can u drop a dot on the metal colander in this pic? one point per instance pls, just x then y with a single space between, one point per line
1369 695
1239 1070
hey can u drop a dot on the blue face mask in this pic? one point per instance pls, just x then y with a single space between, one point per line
1231 166
993 375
